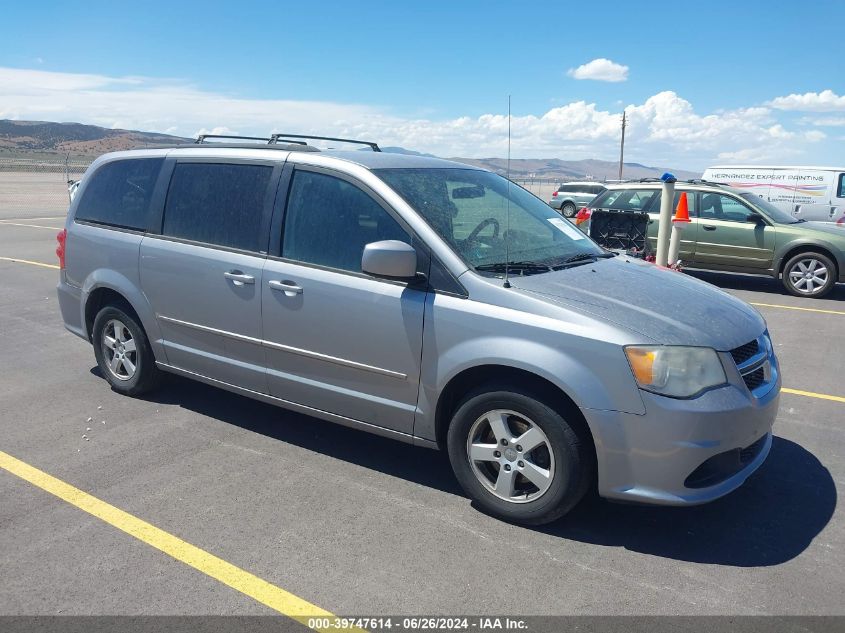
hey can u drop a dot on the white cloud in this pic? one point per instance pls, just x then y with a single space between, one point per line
600 69
663 130
831 121
824 101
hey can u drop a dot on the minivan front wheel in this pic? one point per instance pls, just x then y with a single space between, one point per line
809 275
123 352
517 457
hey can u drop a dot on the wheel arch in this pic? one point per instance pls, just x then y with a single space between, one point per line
808 247
105 286
468 379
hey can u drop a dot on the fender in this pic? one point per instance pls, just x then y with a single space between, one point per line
113 280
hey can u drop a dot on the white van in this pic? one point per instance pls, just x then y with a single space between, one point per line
811 193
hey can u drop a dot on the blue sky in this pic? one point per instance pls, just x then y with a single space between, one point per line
702 81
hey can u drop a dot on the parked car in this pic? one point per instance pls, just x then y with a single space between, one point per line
736 231
809 193
571 196
540 362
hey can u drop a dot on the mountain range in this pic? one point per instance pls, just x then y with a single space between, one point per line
21 139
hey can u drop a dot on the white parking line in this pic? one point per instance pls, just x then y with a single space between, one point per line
33 226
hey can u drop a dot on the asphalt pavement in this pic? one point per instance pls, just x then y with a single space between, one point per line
359 524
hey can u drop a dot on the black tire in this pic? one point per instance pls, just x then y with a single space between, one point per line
572 453
568 210
146 375
796 284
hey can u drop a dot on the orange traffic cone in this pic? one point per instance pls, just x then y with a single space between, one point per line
682 212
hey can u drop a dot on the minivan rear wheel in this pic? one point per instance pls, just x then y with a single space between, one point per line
568 210
123 352
518 458
809 275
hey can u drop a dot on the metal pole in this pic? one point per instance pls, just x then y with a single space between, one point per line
622 146
664 229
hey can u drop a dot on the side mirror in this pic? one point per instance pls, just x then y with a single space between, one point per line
754 217
391 259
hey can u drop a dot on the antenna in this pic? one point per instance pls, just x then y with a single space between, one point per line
507 283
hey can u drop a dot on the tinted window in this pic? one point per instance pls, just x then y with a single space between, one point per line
119 193
715 206
840 192
217 204
596 189
329 221
625 199
691 202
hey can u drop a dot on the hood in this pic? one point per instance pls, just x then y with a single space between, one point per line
828 228
665 306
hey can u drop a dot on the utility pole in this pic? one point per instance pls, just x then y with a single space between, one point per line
622 146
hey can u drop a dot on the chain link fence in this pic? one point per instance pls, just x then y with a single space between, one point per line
543 188
31 187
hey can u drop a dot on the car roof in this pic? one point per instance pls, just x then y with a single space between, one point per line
680 185
583 182
779 167
364 158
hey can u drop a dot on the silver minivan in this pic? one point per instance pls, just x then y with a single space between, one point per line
423 300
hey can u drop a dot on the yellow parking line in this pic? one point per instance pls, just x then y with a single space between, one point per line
248 584
774 305
27 261
812 394
32 226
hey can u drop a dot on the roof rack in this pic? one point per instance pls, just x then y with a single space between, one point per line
275 138
269 140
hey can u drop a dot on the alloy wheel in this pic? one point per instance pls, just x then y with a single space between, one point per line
119 350
510 456
808 275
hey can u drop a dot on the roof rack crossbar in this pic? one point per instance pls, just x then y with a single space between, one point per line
201 138
275 138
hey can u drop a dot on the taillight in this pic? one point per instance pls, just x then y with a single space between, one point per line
554 195
841 221
61 238
583 215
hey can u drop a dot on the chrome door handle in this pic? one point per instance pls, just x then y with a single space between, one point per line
288 287
239 278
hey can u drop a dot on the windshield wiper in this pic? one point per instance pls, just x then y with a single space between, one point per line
499 267
581 258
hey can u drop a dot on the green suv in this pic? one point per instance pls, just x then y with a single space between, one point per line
737 231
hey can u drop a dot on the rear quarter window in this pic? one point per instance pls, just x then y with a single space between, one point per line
625 199
119 193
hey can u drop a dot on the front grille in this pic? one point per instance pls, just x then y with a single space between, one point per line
744 352
754 379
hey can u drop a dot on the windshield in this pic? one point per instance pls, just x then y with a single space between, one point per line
469 209
775 214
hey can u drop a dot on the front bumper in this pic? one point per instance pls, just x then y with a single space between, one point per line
685 452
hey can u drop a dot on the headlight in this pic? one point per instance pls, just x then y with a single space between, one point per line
679 372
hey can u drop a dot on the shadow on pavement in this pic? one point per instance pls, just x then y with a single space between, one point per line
771 519
757 283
